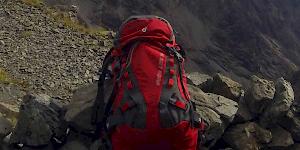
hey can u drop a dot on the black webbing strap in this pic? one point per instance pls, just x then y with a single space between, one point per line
102 110
99 104
179 58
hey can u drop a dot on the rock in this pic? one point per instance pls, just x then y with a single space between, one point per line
79 111
39 120
225 107
291 122
2 42
197 79
283 99
216 110
280 138
243 114
74 145
5 127
296 86
216 126
259 95
9 101
226 87
247 136
10 92
10 111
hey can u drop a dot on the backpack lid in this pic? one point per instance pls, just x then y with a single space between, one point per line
140 28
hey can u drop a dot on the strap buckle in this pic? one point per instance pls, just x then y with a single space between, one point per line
173 51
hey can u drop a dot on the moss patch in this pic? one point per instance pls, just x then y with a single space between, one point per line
7 79
35 3
64 18
67 21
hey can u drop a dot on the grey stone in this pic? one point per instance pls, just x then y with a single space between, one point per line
5 127
247 136
216 110
243 114
225 107
2 42
259 95
226 87
38 121
283 99
79 110
280 138
197 79
291 122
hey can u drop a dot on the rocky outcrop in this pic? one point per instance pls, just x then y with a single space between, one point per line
230 124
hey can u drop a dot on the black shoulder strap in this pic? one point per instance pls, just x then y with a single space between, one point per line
100 109
99 104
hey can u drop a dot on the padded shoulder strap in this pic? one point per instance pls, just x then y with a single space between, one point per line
98 107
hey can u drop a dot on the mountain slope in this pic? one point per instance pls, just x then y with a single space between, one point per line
50 57
237 38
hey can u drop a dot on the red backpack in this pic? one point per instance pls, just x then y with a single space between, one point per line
149 106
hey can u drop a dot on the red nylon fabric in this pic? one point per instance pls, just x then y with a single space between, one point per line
156 30
180 137
149 68
148 64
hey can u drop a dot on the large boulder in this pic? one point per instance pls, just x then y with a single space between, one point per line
79 110
39 120
283 99
247 136
225 86
216 110
259 95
